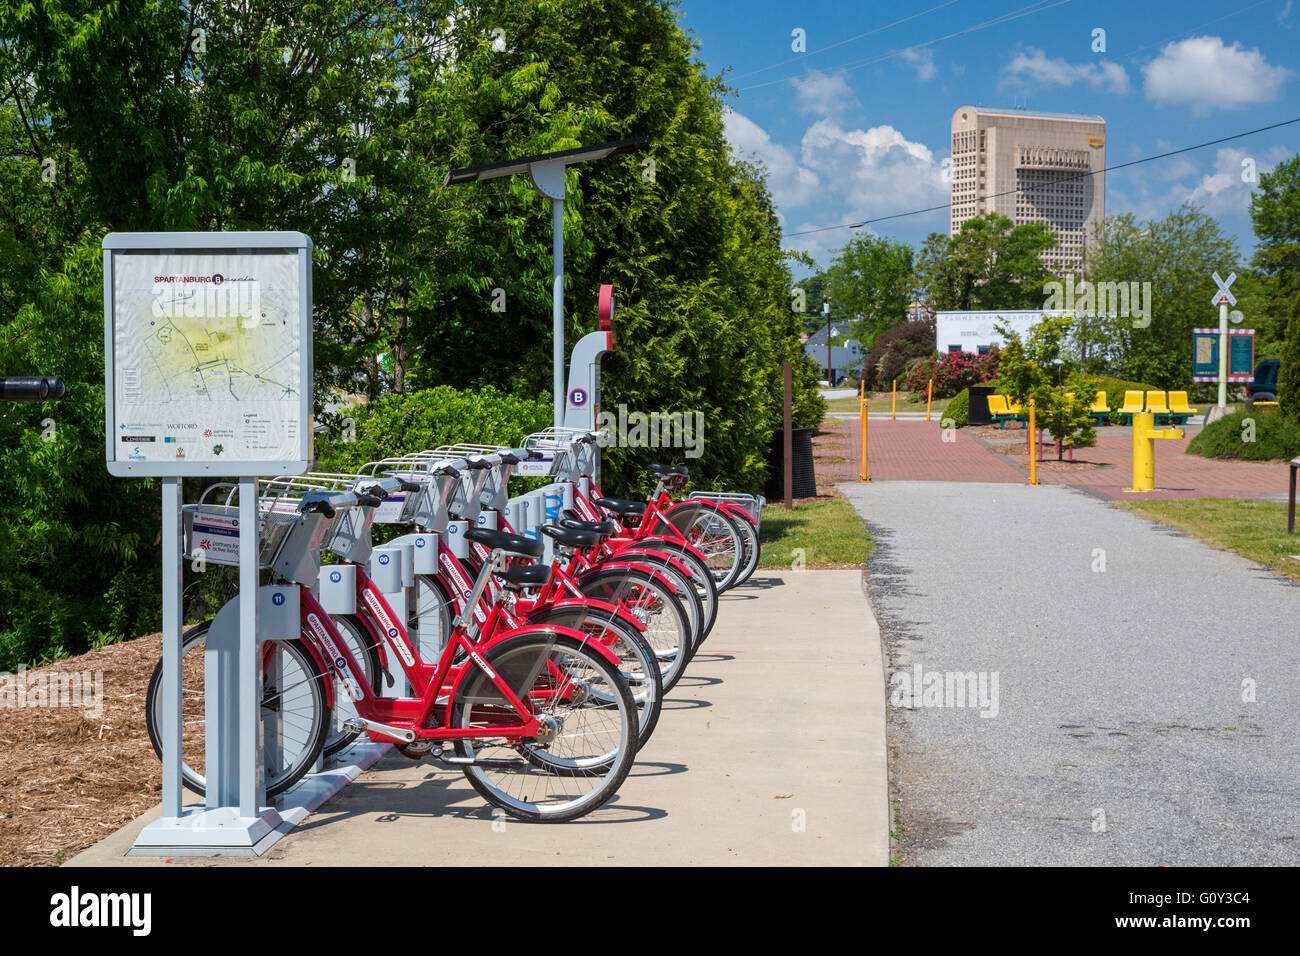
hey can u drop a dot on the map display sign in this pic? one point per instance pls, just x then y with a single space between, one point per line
208 353
1205 355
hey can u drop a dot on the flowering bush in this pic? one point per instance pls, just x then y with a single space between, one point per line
952 372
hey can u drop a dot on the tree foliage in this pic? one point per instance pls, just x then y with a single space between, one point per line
340 119
1177 255
990 264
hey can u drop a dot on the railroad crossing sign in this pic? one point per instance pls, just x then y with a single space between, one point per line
1223 296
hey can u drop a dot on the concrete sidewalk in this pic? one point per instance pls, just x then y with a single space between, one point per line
770 751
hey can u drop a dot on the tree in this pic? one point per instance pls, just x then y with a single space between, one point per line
990 264
1275 214
1288 376
870 283
1176 255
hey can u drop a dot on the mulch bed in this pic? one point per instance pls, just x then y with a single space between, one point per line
68 779
1013 444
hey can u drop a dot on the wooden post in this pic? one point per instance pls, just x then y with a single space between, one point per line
788 439
929 396
1290 508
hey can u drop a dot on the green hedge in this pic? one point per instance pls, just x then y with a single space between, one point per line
414 421
1115 389
1274 437
955 413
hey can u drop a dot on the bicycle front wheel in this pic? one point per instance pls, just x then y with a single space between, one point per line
296 717
590 717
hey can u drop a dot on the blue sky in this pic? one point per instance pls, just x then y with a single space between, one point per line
858 126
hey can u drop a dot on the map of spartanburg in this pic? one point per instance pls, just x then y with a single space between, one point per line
208 357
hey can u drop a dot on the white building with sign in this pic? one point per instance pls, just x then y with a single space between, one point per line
972 331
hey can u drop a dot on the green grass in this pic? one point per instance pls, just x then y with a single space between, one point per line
1254 529
880 403
828 530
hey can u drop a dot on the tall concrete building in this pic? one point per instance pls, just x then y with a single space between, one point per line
1031 167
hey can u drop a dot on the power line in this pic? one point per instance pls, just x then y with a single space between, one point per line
1065 177
1036 7
881 29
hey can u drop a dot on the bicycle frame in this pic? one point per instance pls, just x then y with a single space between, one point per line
410 714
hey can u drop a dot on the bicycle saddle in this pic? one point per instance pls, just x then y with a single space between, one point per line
605 528
526 575
515 544
572 537
622 507
663 471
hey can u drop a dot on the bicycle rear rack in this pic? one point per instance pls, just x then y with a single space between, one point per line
751 504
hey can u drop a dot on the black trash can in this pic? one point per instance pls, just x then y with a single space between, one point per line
977 410
803 478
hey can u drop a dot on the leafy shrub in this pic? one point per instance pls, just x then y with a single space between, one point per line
1275 437
894 348
1288 376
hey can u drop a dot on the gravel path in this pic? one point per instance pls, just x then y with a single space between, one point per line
1123 731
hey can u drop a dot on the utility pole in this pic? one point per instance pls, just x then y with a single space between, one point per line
826 311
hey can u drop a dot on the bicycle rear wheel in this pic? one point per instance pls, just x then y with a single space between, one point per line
592 742
667 627
296 716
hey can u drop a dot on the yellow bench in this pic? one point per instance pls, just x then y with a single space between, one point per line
1132 405
1156 405
1000 410
1179 408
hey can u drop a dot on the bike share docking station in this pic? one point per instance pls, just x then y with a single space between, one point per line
208 373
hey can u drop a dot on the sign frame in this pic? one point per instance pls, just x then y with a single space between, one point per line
1209 372
216 243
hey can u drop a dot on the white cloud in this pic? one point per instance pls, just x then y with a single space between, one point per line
1034 68
791 183
1218 187
825 94
1205 74
921 60
1284 16
874 172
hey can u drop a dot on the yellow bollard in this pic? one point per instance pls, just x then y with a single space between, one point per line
893 401
1033 452
862 412
1144 450
929 394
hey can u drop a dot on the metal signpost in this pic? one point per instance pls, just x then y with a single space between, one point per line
546 173
208 372
1223 298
